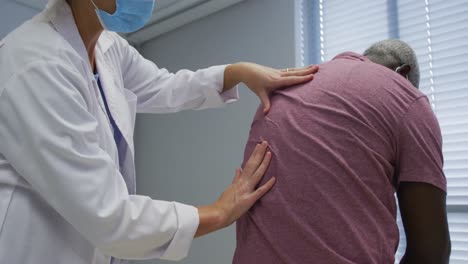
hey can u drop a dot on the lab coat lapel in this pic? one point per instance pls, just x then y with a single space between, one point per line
62 19
116 100
122 115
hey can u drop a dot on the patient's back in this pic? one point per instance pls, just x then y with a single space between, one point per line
335 145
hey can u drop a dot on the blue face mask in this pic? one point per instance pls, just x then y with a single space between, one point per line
129 16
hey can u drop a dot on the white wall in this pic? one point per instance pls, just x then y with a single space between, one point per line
190 157
12 15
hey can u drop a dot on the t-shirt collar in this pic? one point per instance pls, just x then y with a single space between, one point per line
349 55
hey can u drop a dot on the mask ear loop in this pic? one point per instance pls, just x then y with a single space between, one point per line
397 71
97 13
94 4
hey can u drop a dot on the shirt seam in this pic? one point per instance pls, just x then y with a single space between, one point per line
397 135
37 64
405 115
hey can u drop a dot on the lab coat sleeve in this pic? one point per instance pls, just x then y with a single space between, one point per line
160 91
50 137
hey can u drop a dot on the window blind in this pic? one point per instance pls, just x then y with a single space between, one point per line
438 32
351 26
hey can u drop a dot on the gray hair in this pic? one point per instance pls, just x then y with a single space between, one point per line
393 53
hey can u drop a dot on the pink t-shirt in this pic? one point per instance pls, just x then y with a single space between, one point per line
341 145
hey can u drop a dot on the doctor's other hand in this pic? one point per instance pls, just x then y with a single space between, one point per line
263 80
240 196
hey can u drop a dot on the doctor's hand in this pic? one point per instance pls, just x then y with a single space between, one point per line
240 196
263 80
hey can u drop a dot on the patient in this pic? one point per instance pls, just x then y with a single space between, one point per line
342 146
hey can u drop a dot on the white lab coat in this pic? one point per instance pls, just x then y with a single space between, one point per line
63 198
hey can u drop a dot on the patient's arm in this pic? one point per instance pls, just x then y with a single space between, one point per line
423 211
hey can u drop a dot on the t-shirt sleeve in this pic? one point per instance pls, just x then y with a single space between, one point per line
419 147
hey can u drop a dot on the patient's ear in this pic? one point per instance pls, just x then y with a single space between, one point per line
404 70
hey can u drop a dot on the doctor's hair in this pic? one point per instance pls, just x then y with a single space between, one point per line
393 53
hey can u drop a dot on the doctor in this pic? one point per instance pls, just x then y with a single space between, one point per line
69 90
